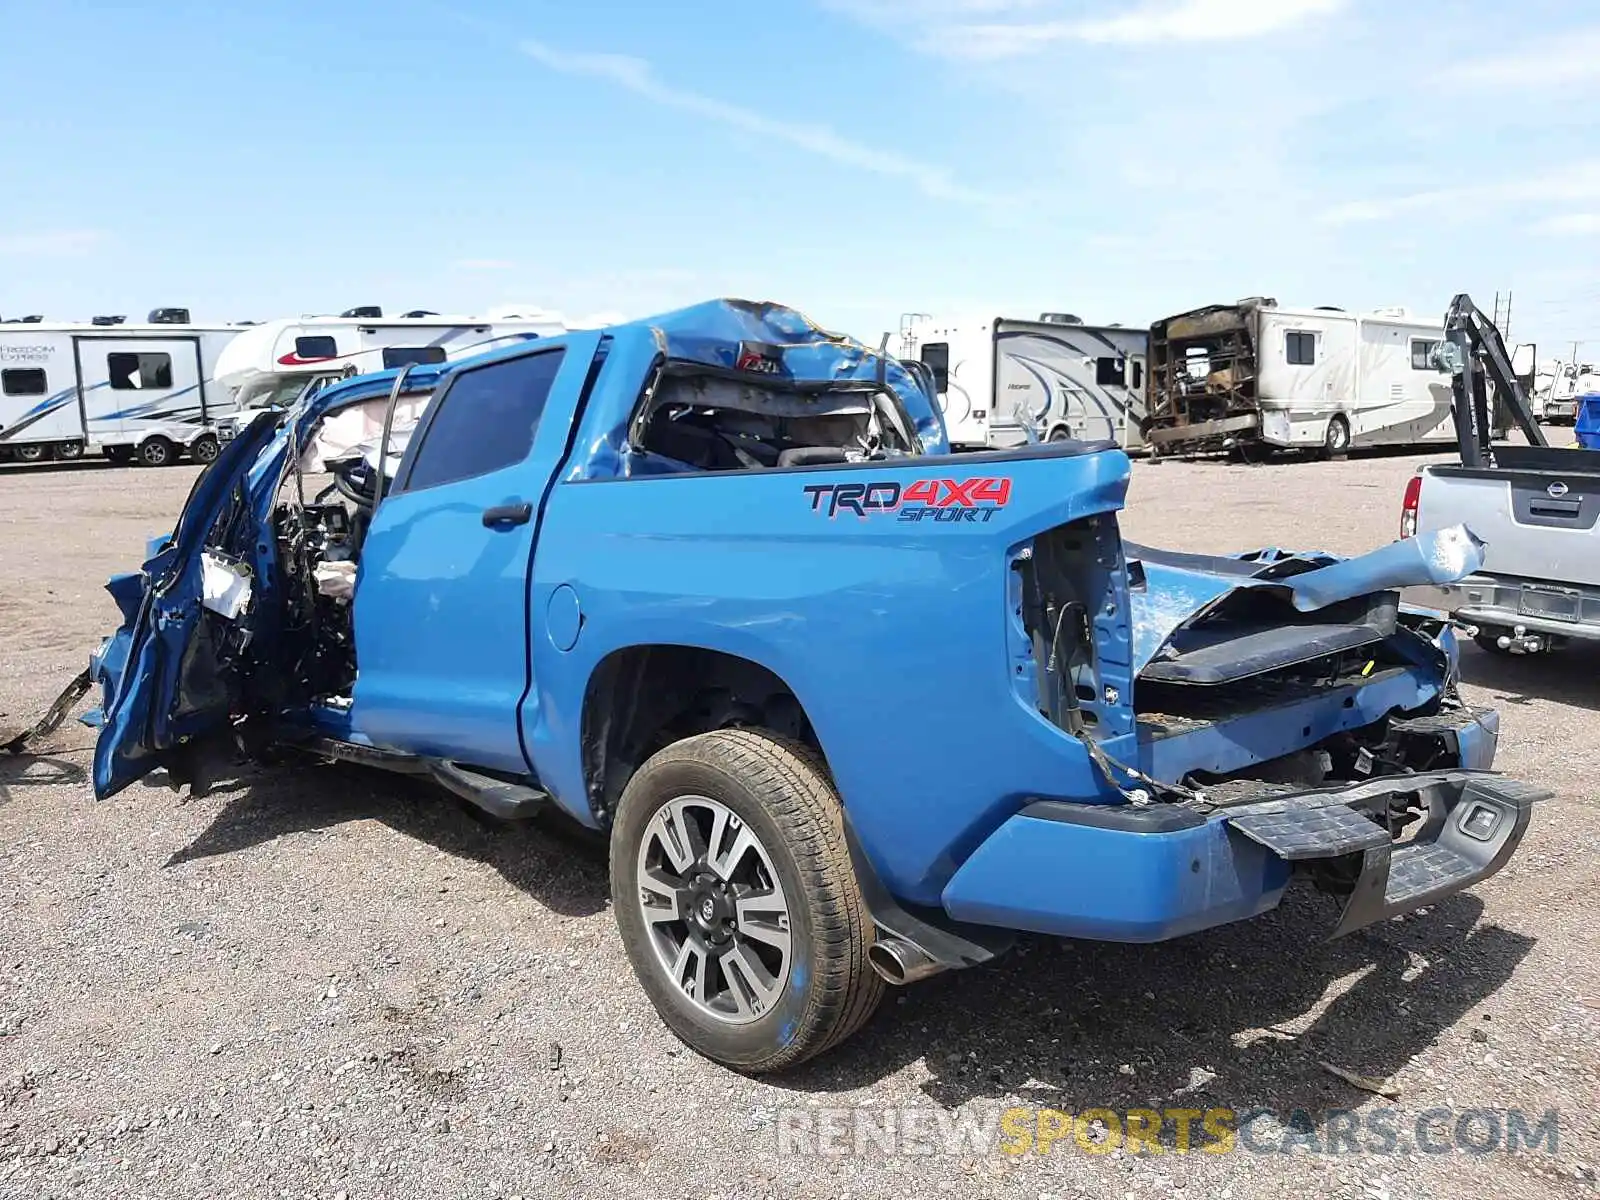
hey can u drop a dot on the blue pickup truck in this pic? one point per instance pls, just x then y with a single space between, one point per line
851 709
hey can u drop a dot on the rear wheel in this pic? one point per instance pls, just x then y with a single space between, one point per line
32 452
1060 434
204 449
67 451
737 902
157 452
1336 441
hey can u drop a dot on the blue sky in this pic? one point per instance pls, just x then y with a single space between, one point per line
1121 159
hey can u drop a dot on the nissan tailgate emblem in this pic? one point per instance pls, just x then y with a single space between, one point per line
1557 489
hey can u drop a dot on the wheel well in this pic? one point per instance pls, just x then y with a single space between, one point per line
646 697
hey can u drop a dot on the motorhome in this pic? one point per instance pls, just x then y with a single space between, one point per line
145 392
1002 381
1555 397
1254 373
275 363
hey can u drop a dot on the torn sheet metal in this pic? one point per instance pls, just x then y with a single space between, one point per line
1180 588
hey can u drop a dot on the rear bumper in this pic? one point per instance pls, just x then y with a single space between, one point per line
1507 602
1118 873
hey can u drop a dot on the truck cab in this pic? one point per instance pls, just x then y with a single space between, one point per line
849 709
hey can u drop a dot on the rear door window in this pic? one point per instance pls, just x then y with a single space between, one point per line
484 420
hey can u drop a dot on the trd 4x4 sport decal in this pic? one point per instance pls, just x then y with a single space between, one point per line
946 501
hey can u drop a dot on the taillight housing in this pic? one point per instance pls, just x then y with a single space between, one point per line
1410 505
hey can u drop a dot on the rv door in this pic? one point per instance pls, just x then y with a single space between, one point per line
134 388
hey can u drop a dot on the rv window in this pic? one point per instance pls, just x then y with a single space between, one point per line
484 420
1421 351
937 356
1110 371
321 346
1137 381
23 381
1300 348
131 372
401 356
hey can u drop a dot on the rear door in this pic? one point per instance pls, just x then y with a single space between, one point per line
441 602
135 387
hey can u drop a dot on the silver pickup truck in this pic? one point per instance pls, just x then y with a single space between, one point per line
1536 507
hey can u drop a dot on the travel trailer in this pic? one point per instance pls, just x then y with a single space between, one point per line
146 393
274 363
1002 381
1323 379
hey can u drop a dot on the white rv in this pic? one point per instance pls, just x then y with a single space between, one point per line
1560 384
1309 378
147 392
1004 380
274 363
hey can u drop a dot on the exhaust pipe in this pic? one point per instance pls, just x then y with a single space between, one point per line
901 962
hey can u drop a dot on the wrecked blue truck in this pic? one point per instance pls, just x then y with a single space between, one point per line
850 708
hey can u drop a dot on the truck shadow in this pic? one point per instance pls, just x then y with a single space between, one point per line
1239 1017
37 770
552 859
1569 675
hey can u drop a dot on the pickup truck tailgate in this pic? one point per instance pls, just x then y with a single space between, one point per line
1537 524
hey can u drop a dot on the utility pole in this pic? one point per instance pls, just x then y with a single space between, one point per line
1502 322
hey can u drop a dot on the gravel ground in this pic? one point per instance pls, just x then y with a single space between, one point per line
330 983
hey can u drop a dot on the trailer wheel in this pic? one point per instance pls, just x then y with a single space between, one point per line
156 452
1060 434
1336 442
67 451
738 905
204 449
31 452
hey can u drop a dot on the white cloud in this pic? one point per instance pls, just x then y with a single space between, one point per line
1570 60
59 243
948 27
1571 224
636 75
1575 183
483 264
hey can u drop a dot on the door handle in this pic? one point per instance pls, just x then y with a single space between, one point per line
505 515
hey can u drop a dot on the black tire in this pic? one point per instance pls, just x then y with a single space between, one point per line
781 792
69 451
121 455
1060 434
157 452
204 449
1336 441
32 452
